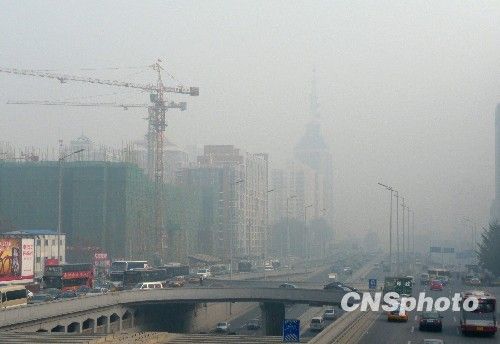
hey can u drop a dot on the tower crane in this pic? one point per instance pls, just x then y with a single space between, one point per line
156 124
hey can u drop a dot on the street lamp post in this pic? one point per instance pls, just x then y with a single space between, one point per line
231 240
59 200
408 236
397 232
390 226
288 231
323 237
266 234
413 238
306 241
403 232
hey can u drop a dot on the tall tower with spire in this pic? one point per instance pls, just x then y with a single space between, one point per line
313 151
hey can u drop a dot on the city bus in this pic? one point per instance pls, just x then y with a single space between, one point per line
14 295
438 272
68 276
135 276
118 267
483 319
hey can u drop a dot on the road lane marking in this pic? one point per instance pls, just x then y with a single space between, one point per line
412 329
416 317
454 319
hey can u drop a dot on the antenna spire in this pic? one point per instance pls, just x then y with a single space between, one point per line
314 97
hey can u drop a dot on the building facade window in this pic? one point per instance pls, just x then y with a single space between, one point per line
53 242
38 259
46 242
38 242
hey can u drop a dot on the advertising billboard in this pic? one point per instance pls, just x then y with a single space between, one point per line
16 259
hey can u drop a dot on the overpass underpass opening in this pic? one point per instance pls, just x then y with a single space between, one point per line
58 328
170 317
74 327
88 326
114 323
127 320
101 324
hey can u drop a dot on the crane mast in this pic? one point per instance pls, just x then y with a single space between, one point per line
156 128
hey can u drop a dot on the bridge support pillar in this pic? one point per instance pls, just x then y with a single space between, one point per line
273 315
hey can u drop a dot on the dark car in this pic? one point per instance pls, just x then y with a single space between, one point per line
339 287
430 321
83 290
39 298
253 324
68 294
288 286
436 285
55 293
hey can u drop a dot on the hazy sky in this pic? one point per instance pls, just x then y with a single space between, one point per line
407 89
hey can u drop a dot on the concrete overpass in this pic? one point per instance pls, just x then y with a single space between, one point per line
120 310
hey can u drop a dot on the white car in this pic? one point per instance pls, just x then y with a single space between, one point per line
332 276
317 324
204 273
223 327
329 314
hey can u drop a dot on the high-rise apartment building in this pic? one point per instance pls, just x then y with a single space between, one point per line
242 202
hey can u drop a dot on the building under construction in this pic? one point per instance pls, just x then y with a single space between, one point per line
106 205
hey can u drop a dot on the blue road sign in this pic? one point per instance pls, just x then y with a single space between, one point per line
372 283
291 330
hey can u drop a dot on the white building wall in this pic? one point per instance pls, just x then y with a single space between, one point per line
46 248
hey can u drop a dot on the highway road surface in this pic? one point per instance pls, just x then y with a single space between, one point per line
299 311
383 332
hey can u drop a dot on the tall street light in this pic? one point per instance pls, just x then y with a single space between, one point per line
59 200
408 236
389 188
413 238
231 240
287 231
266 234
307 241
323 237
403 254
397 233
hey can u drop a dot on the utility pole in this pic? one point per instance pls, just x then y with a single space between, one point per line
390 226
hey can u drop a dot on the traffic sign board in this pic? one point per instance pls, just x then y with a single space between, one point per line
372 283
403 286
291 330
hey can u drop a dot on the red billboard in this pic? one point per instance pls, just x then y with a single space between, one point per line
16 259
